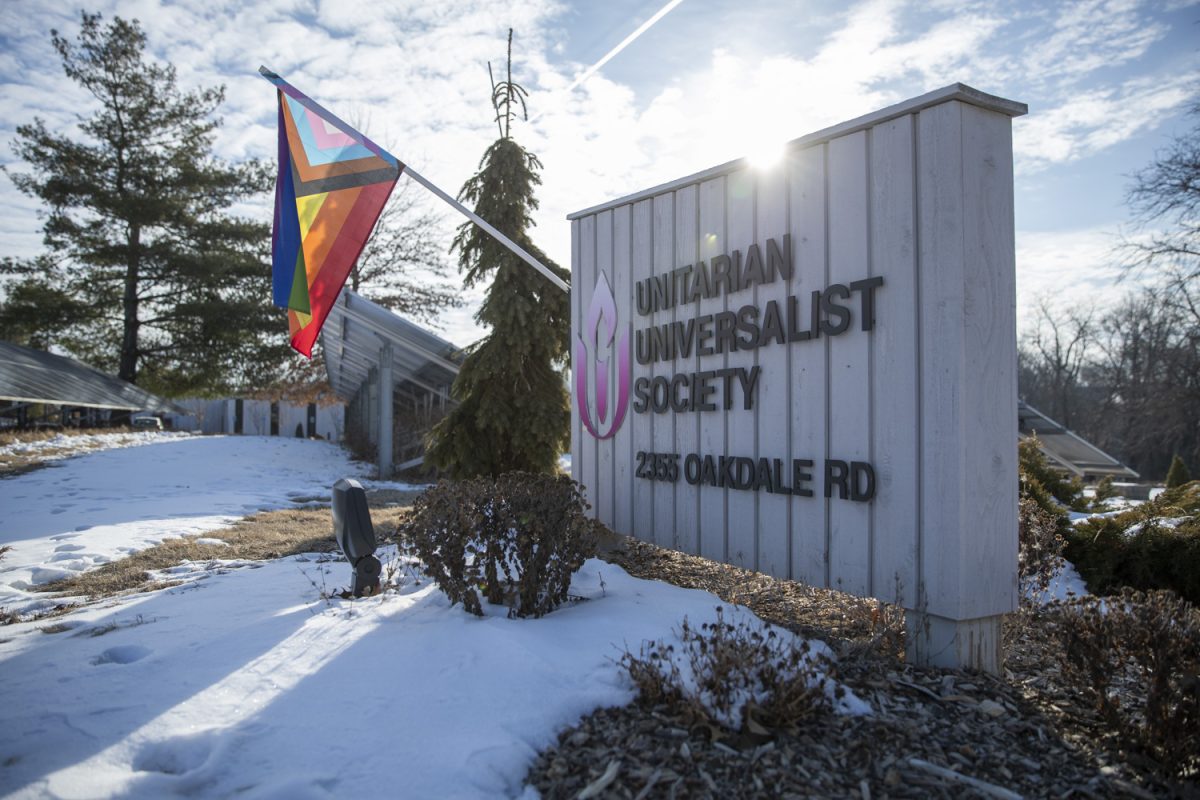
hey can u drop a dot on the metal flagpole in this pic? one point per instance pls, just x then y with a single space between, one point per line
421 179
500 237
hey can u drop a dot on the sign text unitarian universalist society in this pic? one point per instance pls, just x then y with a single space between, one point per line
794 319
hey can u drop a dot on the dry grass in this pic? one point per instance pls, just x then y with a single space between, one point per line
8 437
267 535
12 464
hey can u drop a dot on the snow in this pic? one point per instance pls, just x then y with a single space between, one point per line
1159 522
242 680
82 512
1066 584
64 445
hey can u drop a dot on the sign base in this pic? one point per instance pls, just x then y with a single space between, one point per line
972 644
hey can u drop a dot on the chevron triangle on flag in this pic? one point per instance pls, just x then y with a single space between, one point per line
332 186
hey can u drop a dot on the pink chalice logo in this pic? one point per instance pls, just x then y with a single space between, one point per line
594 367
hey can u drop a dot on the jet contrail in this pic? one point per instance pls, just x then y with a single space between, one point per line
590 71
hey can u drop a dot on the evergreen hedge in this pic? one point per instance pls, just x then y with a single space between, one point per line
1178 474
1153 546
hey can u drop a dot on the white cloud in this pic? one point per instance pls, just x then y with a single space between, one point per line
1068 268
1092 121
414 74
1089 35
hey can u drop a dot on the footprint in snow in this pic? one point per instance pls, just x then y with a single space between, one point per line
68 548
62 536
177 756
122 654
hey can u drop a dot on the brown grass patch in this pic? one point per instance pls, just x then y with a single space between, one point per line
13 464
263 536
25 436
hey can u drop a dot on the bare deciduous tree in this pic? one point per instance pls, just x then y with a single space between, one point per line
1165 199
1053 355
403 266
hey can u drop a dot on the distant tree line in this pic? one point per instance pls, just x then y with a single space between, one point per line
1128 378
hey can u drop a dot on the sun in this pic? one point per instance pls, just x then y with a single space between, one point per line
766 154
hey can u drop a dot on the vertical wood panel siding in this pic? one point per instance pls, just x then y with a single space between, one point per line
603 490
584 271
773 421
623 452
642 425
663 441
921 199
807 359
687 426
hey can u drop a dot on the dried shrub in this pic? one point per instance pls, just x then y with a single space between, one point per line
517 539
1138 657
1153 546
742 677
1040 548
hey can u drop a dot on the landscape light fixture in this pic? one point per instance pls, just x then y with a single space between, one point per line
355 535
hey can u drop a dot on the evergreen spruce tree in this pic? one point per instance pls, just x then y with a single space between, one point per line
1178 474
513 411
146 274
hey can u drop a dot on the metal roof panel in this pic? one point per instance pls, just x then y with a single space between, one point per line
35 376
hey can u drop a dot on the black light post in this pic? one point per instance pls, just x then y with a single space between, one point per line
355 535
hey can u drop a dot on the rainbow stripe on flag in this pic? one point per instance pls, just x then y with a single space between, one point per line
333 184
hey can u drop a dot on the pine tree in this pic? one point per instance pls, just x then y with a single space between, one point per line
513 411
147 273
1178 474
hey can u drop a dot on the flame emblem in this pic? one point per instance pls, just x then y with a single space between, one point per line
593 365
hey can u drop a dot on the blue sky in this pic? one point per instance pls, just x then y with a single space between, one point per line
1107 84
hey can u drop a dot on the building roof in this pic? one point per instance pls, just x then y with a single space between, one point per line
357 329
35 376
1066 449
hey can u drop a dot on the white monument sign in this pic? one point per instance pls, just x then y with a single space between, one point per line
810 370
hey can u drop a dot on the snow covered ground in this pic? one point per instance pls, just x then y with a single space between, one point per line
64 445
81 512
244 681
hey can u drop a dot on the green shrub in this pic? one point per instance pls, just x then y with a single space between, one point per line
1178 474
1138 657
1103 492
1034 469
1153 546
517 539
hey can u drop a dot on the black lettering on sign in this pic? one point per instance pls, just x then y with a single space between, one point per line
657 466
844 480
862 481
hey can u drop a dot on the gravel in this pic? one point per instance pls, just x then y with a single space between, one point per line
933 733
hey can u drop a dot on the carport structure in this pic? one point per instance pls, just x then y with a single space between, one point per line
1067 450
35 377
394 376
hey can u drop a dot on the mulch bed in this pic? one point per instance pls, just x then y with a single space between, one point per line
933 733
